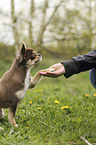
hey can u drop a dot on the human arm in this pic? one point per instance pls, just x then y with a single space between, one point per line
73 66
80 63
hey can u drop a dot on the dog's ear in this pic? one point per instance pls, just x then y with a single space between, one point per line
21 53
22 48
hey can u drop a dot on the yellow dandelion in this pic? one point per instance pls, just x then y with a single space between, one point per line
39 108
94 95
36 91
30 102
36 97
87 108
87 95
27 127
56 101
40 90
65 107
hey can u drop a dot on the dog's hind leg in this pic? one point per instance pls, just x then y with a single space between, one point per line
12 113
1 113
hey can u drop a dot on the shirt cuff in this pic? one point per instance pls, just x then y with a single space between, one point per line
70 68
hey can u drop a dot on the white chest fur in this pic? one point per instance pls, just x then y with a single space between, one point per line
20 94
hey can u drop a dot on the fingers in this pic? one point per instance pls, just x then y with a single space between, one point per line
49 74
54 71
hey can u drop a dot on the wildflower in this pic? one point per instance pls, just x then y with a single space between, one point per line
56 101
87 108
38 91
27 127
30 102
94 95
36 97
39 108
87 95
65 107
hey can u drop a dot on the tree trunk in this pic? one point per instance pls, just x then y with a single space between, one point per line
14 26
44 24
32 8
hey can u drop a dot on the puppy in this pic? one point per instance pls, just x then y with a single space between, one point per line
16 81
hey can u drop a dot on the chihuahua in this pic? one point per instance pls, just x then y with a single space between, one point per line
16 81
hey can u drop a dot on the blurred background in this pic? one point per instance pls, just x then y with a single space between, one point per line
56 28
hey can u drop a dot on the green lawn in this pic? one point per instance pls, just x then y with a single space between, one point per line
42 120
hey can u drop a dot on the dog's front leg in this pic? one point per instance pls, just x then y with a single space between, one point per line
35 80
12 113
37 77
1 113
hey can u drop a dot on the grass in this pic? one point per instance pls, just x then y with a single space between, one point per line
42 121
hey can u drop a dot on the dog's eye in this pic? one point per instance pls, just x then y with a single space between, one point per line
33 56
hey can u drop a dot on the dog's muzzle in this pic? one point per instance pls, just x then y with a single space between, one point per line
39 58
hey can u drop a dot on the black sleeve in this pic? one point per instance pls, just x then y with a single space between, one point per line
80 63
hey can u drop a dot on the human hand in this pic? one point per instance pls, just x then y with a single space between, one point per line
54 71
